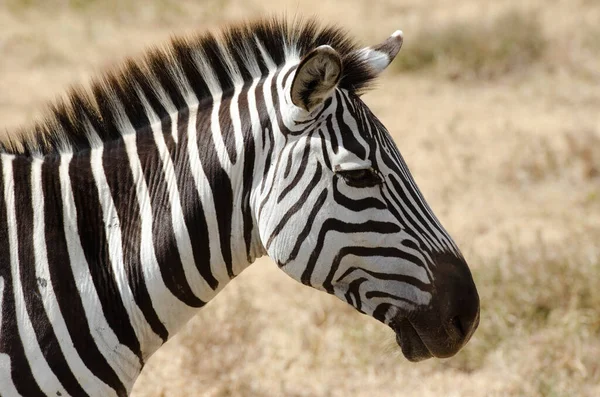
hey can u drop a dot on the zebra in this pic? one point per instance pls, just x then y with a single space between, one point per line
134 202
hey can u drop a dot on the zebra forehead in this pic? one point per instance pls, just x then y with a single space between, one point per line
184 72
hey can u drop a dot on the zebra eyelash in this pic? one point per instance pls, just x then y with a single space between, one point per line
361 178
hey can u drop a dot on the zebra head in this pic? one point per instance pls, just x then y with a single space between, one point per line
338 209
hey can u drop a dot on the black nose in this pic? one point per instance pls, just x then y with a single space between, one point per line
463 324
458 298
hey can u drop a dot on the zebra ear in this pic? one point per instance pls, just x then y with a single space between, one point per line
381 55
318 73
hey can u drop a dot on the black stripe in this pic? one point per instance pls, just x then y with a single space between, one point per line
90 224
64 284
227 128
219 184
394 205
267 196
122 188
324 150
390 277
266 128
277 104
381 294
240 51
287 75
412 212
349 141
381 310
213 55
331 131
431 221
185 59
163 235
395 162
290 160
163 75
32 287
306 230
10 343
352 204
343 227
382 252
248 173
191 204
353 293
326 104
301 202
301 170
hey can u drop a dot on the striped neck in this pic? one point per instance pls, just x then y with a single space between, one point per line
181 190
148 227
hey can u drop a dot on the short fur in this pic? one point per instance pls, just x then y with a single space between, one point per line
234 55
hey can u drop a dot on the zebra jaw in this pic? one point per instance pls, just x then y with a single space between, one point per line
407 337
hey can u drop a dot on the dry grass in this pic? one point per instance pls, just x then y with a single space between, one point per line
540 332
539 295
499 123
572 154
111 8
475 48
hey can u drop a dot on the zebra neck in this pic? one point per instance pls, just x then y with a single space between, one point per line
122 243
182 203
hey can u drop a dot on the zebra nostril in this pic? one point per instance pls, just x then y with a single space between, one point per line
455 286
457 325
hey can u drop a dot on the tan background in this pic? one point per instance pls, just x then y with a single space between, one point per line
506 149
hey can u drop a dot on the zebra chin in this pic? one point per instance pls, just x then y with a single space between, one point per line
446 325
420 340
407 337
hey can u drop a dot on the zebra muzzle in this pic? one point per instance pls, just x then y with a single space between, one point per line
413 347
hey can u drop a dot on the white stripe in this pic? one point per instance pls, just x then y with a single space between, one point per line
149 341
271 65
202 184
414 220
437 228
207 72
205 192
350 121
165 101
198 284
120 357
253 111
84 376
217 136
184 86
40 369
8 387
172 312
236 123
217 263
256 133
270 179
249 60
230 64
440 235
285 106
239 257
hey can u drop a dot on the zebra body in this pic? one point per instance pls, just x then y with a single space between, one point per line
133 205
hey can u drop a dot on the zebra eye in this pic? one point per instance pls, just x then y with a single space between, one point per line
366 177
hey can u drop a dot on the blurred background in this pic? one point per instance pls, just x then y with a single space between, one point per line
495 106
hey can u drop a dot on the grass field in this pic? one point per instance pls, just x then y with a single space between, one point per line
496 109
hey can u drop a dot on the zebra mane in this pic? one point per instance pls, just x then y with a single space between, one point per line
182 73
